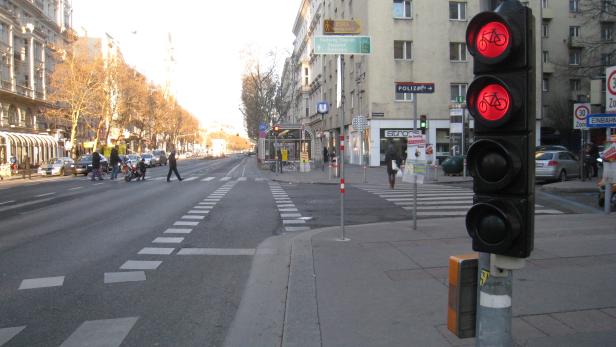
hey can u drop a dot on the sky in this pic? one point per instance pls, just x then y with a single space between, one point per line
210 39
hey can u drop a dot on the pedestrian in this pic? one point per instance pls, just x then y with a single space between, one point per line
325 158
96 166
393 162
594 155
114 161
173 166
27 167
142 168
279 159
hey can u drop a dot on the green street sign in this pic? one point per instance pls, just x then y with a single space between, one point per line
333 44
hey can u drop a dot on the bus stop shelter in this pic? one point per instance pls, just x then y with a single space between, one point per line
294 139
39 148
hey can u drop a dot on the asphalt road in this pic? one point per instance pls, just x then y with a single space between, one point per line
154 263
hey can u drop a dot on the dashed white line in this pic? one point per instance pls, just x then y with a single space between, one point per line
43 195
187 224
168 240
125 276
190 179
141 265
75 188
216 251
156 251
192 217
207 179
107 332
7 202
177 231
45 282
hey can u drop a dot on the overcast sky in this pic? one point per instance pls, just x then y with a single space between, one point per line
208 36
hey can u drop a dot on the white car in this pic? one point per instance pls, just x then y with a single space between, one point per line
57 167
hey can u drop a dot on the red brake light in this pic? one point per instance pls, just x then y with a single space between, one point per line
492 40
493 102
552 163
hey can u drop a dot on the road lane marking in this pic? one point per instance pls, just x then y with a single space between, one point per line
198 211
168 240
43 195
7 202
548 212
156 251
225 179
242 179
211 200
24 204
75 188
204 207
177 231
207 203
187 224
244 172
126 276
292 229
233 169
290 215
44 282
106 332
439 203
260 179
192 217
207 179
293 221
217 251
98 184
190 179
285 205
287 209
141 265
6 334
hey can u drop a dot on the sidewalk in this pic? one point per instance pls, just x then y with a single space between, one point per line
387 286
354 174
574 186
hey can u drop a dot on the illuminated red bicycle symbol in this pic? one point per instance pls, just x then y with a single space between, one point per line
489 37
491 100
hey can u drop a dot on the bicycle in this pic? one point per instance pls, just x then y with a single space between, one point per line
492 100
491 37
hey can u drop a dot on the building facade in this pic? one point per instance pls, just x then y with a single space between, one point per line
30 32
411 41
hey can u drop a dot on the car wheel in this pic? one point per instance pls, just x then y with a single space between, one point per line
563 176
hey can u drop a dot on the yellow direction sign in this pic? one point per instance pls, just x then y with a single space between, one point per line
341 27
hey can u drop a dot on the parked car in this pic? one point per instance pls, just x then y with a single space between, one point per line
132 160
57 166
161 157
556 165
149 159
550 148
83 166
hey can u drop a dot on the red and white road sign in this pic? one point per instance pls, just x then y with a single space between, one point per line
580 112
610 90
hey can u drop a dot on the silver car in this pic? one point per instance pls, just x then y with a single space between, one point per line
57 166
556 165
149 159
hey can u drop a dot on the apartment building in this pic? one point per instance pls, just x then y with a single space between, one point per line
30 31
578 43
411 41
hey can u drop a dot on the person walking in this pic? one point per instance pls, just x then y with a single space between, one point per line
393 162
279 159
27 167
96 166
114 161
325 158
173 167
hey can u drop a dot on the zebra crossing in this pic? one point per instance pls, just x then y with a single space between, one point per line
435 201
292 220
212 179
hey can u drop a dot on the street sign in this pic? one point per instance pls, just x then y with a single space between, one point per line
333 44
262 126
610 90
322 107
414 87
360 123
415 138
601 120
580 112
341 27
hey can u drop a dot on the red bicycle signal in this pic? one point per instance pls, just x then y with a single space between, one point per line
493 102
492 39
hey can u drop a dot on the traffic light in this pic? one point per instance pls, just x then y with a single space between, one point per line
276 128
501 160
423 123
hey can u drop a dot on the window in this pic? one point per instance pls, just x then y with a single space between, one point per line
606 59
458 92
545 30
403 50
403 96
402 9
457 51
573 5
545 56
457 10
607 4
575 84
306 77
574 31
544 3
545 84
607 30
575 56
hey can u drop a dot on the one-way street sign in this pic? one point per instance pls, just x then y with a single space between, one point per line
414 87
601 120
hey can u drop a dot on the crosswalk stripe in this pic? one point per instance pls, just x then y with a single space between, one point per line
207 179
293 221
242 179
35 283
141 265
291 229
426 195
106 332
177 231
225 179
6 334
190 179
548 212
423 199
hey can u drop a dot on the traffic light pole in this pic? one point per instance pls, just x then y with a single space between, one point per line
608 183
494 306
341 159
415 100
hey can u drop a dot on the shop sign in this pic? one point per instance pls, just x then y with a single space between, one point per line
390 133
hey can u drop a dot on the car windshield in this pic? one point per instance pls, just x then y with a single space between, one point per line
544 156
147 156
133 157
85 158
55 161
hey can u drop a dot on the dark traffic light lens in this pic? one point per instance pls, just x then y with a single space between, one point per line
492 40
493 167
491 228
493 102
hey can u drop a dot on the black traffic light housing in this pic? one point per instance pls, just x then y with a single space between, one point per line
423 123
501 99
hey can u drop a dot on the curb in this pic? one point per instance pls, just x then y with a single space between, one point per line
568 189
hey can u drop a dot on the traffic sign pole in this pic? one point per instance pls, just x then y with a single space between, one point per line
341 159
415 100
608 183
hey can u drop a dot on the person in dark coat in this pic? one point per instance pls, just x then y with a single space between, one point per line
173 166
114 161
392 156
142 169
325 157
96 166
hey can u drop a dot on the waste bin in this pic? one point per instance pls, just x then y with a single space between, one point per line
453 165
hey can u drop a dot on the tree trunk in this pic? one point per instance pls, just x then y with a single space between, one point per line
73 137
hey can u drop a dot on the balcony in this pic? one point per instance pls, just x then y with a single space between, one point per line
548 68
6 85
25 91
547 13
575 41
